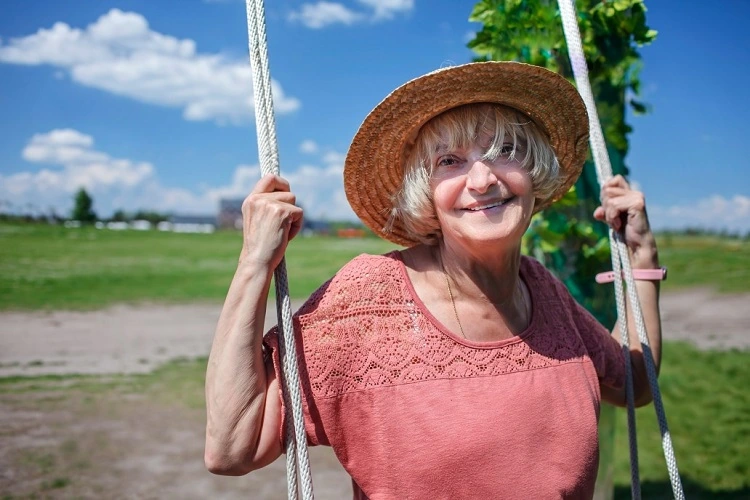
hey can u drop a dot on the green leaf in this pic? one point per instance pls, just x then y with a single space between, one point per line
639 107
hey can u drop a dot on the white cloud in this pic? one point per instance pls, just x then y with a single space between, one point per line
715 213
308 147
71 161
386 9
334 159
320 191
243 180
83 166
321 14
120 54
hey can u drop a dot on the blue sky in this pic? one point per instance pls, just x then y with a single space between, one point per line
148 104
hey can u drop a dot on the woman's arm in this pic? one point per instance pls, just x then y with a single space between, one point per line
242 402
624 209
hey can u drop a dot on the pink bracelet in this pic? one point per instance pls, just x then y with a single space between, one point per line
659 274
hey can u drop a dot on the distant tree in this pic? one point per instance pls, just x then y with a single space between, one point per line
83 207
151 216
120 216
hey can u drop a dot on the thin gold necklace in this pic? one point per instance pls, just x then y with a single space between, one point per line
453 302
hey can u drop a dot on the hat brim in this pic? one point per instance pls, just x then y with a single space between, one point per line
374 170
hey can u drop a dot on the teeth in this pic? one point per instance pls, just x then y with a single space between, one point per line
485 207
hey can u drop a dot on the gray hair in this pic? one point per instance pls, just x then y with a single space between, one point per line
460 127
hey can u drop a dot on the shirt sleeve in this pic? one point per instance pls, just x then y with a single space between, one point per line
604 350
313 426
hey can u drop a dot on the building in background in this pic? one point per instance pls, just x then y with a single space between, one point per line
230 213
189 224
230 217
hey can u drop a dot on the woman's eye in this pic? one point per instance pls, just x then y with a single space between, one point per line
507 149
447 161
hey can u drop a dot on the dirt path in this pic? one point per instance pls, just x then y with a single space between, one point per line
126 339
75 444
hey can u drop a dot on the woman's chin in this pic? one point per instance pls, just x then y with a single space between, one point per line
484 230
482 238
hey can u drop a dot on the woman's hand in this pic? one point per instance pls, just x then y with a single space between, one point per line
270 219
624 209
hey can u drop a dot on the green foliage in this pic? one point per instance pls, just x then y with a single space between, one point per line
120 216
530 31
565 237
83 207
148 215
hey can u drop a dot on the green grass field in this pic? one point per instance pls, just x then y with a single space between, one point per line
707 404
712 261
51 267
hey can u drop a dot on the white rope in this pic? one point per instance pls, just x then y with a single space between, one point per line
625 340
297 459
619 256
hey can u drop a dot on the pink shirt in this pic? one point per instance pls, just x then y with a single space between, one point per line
414 412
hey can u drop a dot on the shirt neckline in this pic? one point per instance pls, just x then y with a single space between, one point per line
530 329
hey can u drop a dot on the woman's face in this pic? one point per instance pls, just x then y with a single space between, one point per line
480 200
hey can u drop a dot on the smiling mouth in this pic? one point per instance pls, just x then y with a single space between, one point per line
488 205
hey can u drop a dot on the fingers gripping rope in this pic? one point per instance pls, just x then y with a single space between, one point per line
297 460
620 262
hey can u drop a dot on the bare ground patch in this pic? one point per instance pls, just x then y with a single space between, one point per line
123 445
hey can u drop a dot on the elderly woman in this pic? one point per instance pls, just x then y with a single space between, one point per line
456 368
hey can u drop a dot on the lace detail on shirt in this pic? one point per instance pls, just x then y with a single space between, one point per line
363 330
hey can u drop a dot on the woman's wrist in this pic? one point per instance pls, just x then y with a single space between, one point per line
253 272
639 274
646 256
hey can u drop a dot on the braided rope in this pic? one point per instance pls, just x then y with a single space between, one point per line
619 256
297 459
622 320
290 442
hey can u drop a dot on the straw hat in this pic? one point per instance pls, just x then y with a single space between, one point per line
374 167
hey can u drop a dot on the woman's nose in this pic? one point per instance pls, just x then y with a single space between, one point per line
480 176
